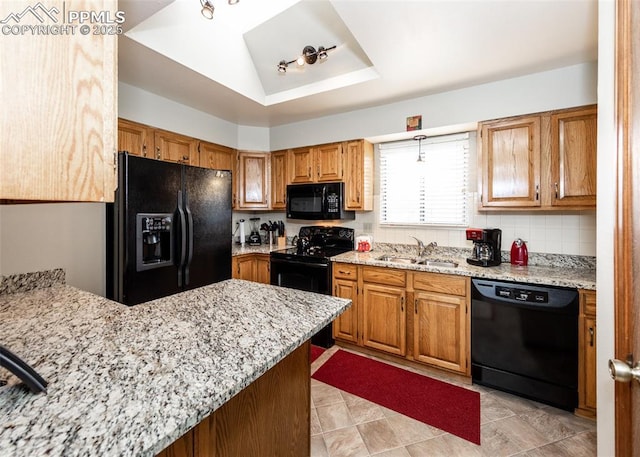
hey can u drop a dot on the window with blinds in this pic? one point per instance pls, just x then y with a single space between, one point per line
430 192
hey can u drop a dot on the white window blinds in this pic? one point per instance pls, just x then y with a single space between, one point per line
432 192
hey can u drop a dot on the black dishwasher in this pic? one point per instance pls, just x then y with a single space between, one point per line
524 340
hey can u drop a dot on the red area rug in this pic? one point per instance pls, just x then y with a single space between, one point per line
450 408
316 351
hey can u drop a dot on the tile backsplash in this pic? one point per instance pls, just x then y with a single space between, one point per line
568 232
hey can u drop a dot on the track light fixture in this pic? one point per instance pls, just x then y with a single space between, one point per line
309 56
208 8
420 138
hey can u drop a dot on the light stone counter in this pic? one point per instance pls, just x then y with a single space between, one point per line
564 271
237 249
128 381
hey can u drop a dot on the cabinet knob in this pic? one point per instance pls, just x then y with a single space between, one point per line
415 305
591 336
556 186
144 149
537 192
158 156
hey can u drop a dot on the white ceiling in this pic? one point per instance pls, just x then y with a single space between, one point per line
386 51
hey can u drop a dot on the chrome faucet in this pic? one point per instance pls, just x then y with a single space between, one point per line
422 249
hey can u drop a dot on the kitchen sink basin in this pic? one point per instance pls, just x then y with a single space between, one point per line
395 259
412 260
438 263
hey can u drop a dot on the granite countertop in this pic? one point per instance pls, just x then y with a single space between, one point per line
552 270
237 249
131 380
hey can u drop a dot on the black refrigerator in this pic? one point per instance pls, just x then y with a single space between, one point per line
169 229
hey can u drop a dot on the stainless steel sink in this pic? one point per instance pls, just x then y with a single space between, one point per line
438 263
396 259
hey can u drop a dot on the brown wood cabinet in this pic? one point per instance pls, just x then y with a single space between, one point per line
254 176
252 267
245 425
345 285
587 354
510 160
279 182
134 138
417 316
58 137
440 330
215 156
573 157
173 147
320 163
540 161
384 318
358 175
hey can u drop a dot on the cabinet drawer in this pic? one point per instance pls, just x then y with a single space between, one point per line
345 271
384 276
437 282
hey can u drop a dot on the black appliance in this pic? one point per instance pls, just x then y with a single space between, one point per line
307 266
487 246
321 201
169 229
524 340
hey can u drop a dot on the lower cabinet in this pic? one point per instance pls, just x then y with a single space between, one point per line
422 317
245 425
587 354
440 330
252 267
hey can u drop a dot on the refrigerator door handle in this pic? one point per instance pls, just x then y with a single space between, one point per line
183 238
190 235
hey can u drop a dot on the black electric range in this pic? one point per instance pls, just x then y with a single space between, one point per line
307 266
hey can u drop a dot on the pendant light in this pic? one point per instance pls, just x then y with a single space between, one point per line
420 138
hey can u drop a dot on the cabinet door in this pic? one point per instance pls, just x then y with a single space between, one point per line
353 182
328 162
439 330
279 180
384 317
263 269
301 165
253 180
172 147
573 157
587 355
244 267
215 156
59 128
510 161
345 327
136 139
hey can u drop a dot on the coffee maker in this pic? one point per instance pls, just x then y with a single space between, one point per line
487 244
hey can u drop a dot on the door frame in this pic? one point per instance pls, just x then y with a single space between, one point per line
627 227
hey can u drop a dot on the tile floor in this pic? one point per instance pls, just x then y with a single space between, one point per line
343 425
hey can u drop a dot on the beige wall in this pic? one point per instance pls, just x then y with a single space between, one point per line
39 237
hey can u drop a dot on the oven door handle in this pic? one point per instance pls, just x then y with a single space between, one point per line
298 262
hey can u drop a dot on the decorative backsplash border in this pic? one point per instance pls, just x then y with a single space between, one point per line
24 282
535 259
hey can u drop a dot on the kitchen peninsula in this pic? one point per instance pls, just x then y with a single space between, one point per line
133 380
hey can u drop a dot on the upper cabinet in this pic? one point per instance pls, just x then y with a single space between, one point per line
254 175
573 157
358 175
59 141
215 156
136 139
316 164
279 180
172 147
540 161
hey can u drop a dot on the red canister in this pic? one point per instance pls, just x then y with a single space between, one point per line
519 253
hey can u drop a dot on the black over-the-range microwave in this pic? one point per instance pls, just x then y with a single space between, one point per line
321 201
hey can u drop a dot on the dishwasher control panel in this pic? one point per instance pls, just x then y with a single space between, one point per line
526 295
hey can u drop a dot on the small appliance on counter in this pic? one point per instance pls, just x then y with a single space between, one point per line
364 243
487 244
519 253
254 236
